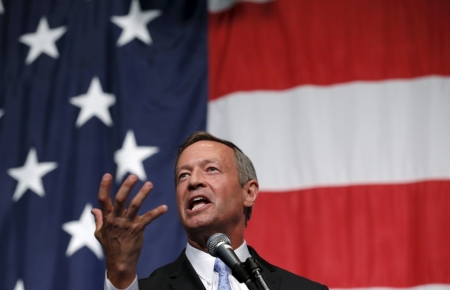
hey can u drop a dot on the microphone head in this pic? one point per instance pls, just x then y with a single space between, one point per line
215 240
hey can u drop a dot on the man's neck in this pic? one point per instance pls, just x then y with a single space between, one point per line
201 245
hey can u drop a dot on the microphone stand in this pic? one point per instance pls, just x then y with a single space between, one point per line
256 276
250 273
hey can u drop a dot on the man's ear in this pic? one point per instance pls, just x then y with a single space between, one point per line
251 192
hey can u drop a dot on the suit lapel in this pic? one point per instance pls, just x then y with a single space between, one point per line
182 275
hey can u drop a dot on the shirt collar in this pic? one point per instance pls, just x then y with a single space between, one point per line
203 262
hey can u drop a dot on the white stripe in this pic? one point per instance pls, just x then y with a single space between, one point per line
420 287
221 5
355 133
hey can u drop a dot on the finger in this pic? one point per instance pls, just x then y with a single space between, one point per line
98 218
137 201
155 213
122 195
103 194
98 221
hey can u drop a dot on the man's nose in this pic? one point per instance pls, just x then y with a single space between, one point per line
196 179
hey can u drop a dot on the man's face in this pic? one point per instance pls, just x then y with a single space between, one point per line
209 196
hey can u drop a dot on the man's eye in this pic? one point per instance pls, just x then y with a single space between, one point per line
209 169
182 175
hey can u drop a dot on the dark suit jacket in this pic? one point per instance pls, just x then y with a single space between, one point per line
180 275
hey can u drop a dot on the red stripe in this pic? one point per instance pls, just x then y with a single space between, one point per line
358 236
287 43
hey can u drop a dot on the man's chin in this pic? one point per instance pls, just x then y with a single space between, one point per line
203 229
197 226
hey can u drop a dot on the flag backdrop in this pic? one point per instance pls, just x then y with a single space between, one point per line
344 107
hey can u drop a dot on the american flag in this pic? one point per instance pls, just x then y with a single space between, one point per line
343 106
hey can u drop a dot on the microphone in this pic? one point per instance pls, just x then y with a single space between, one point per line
219 245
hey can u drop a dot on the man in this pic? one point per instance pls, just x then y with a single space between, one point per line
216 188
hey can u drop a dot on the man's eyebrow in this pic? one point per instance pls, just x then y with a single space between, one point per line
204 161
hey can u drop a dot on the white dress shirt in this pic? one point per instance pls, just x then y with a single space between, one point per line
203 264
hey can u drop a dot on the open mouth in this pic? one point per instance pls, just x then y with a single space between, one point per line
198 202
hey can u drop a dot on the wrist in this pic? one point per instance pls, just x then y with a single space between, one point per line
121 275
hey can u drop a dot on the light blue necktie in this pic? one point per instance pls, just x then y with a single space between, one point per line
221 268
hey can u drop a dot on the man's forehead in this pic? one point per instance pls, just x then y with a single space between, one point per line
206 150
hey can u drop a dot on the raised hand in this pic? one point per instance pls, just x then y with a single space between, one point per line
120 230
